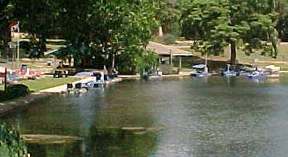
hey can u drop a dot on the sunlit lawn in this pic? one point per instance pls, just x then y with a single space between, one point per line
47 82
243 58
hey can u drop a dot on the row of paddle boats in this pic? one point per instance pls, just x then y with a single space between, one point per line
271 71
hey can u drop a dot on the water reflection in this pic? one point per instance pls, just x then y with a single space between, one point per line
38 150
215 117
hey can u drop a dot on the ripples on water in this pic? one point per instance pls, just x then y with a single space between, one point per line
215 117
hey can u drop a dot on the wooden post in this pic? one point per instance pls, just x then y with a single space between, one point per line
171 57
180 62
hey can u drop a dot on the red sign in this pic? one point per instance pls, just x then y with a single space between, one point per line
14 26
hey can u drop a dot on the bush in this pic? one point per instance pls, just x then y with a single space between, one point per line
2 96
135 59
15 91
147 62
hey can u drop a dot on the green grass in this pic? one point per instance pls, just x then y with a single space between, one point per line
47 82
245 59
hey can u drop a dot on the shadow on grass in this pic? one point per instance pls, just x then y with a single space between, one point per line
214 65
3 96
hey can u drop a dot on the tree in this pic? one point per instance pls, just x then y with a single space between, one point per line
282 25
6 15
40 19
107 29
168 15
247 24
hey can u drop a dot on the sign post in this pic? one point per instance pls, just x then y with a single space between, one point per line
16 35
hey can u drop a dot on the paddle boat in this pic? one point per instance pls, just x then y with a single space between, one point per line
268 72
99 81
258 75
230 71
201 70
272 71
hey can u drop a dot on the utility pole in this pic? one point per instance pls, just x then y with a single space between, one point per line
18 45
15 35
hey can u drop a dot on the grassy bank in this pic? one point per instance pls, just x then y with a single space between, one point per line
47 82
281 60
34 86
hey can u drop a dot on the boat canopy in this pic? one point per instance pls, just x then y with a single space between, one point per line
199 66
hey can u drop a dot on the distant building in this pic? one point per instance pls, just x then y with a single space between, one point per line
167 53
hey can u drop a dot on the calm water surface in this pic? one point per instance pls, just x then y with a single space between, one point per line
186 118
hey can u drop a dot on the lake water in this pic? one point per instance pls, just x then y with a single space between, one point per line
213 117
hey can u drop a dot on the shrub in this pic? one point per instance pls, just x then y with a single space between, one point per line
135 59
15 91
147 62
2 96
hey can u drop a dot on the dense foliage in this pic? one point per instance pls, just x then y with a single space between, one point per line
103 32
168 14
95 30
11 144
14 91
247 24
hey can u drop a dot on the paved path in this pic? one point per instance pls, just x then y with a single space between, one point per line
63 88
165 50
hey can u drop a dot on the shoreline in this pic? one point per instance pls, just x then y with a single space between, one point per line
11 106
138 77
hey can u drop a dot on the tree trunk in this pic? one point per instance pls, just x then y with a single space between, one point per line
6 50
233 55
7 39
113 62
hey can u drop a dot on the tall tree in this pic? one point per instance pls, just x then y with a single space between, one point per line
39 18
108 29
246 24
6 15
282 25
168 15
